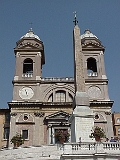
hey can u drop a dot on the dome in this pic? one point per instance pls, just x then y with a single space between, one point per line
30 34
88 34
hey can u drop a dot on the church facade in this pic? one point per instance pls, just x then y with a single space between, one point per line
41 106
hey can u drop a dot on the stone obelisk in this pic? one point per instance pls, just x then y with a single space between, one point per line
82 116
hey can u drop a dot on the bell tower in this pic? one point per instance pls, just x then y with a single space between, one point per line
26 118
96 82
29 53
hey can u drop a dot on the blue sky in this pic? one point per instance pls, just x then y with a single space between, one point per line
53 23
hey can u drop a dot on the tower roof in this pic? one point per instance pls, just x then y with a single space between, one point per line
30 34
88 34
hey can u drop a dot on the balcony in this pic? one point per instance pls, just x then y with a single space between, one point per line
58 79
92 74
28 75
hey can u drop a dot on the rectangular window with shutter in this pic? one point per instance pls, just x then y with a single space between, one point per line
25 134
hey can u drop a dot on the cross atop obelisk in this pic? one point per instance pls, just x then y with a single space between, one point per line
75 18
78 59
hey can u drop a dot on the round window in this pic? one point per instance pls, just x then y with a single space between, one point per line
25 117
96 116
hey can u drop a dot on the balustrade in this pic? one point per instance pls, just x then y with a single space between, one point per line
58 79
27 75
92 148
93 74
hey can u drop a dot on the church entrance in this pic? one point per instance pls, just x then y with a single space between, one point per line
58 127
61 136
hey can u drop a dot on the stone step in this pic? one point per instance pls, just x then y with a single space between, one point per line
44 152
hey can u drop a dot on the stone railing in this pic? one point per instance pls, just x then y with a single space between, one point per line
28 75
58 79
66 151
91 148
92 74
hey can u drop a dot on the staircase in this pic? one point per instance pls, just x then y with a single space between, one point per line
43 152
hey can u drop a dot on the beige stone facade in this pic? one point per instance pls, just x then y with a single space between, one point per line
40 105
116 125
4 127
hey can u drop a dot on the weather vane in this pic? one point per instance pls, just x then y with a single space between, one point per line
75 18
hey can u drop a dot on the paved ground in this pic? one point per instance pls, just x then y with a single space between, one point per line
52 152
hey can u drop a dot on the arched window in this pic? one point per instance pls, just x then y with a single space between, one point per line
28 67
118 131
118 120
91 67
60 96
50 99
70 98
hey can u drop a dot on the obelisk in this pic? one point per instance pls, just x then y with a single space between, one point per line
82 117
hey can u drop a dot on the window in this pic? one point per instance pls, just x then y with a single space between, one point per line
70 98
6 133
91 67
60 96
96 116
25 134
118 120
7 117
118 131
25 117
50 99
28 66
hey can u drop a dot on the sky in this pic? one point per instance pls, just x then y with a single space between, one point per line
52 21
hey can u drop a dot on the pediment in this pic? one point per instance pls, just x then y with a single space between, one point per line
101 118
58 115
29 46
92 45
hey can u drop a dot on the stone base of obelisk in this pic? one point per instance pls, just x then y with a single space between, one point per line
81 119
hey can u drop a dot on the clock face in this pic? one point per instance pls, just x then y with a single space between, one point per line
94 92
26 93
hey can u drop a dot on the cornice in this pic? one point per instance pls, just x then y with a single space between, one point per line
38 104
99 103
90 79
25 123
24 104
59 80
92 102
116 124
